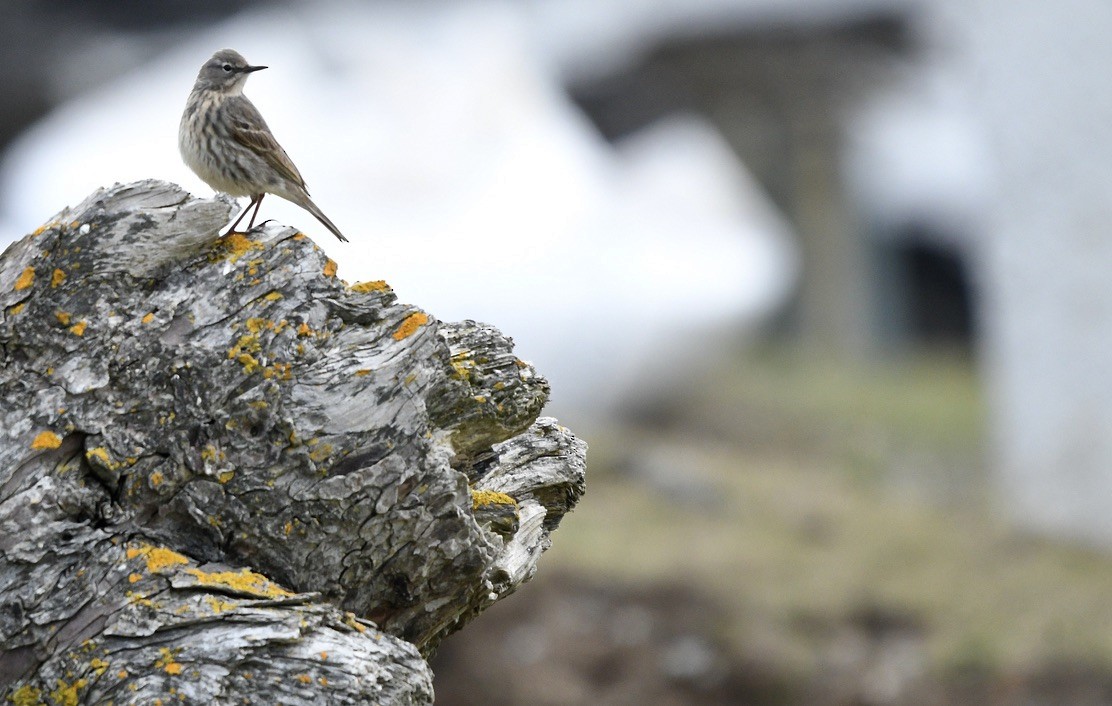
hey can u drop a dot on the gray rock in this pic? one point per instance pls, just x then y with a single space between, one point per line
226 476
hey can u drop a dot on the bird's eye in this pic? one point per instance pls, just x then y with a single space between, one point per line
227 67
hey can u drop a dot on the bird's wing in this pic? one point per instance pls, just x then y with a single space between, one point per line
250 130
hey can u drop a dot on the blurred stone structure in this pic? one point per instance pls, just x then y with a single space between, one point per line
781 93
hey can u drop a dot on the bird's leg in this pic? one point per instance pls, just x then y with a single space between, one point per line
254 200
258 202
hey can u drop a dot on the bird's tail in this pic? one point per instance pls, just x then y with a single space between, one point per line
306 203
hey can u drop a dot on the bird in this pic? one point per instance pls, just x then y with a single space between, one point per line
225 141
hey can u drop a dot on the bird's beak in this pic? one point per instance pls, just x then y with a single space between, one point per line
249 69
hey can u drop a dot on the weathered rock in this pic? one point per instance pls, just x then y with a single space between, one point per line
230 477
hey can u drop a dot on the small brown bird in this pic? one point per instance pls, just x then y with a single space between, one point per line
226 142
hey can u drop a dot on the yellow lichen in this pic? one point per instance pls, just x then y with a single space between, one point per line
46 440
280 371
377 285
225 476
211 453
257 324
148 317
63 317
26 695
410 325
57 278
17 309
273 296
99 665
247 343
219 605
482 498
319 453
78 329
66 694
330 268
362 372
304 678
245 581
249 362
26 279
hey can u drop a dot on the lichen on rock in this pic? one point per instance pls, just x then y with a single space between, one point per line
241 457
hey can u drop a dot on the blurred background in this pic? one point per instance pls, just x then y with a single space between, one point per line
823 283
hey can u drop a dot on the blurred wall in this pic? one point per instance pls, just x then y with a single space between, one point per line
1041 76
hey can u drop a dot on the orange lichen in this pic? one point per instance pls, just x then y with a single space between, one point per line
26 279
134 578
17 309
377 285
63 317
351 621
244 581
78 329
167 662
57 278
156 558
46 440
410 325
304 678
148 317
304 330
101 454
157 478
330 268
236 245
362 372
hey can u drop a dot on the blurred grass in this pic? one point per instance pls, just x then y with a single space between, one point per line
780 484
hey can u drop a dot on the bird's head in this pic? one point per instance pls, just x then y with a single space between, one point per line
226 71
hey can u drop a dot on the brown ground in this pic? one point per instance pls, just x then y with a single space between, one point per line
789 531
